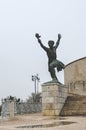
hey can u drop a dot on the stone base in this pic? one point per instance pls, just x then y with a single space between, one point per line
53 98
74 106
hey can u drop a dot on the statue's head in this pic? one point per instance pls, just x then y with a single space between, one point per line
50 43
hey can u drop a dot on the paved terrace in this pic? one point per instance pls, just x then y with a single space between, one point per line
39 122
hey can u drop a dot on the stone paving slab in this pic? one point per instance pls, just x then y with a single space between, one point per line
37 120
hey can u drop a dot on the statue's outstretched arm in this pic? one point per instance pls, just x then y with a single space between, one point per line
40 42
58 41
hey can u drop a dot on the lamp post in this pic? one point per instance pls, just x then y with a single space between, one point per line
36 79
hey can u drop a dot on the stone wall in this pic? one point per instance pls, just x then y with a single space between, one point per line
75 79
23 108
74 105
77 88
20 108
75 71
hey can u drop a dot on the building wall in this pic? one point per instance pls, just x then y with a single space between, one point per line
75 71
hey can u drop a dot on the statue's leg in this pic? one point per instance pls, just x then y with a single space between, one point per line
52 72
60 65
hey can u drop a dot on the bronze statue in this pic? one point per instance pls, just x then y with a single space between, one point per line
51 53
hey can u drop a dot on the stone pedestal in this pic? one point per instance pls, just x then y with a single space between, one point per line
53 98
11 109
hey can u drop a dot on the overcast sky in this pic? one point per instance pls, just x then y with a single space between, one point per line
20 54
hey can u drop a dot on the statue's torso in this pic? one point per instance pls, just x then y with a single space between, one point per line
51 53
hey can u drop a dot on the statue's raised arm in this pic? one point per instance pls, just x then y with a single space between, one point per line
38 37
58 41
40 42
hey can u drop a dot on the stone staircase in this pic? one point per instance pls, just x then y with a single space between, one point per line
74 105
